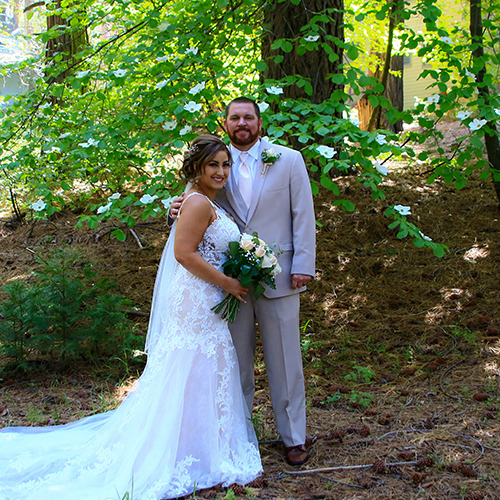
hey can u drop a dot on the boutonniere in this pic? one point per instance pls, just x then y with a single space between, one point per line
269 156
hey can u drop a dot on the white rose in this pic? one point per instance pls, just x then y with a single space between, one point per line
277 269
260 251
266 262
246 242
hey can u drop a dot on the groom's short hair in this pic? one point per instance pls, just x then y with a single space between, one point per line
245 100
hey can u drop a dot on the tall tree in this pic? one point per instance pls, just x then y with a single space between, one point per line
64 47
390 77
490 137
288 20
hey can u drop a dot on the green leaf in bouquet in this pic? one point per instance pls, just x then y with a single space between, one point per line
258 290
234 247
246 270
245 280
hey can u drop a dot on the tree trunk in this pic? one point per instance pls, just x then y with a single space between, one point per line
491 141
393 85
393 91
67 44
285 20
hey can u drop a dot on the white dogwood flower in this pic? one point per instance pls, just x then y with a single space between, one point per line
119 73
185 130
402 209
161 84
81 74
433 99
104 208
38 206
192 50
114 196
380 168
381 139
311 38
169 125
355 122
92 142
326 151
262 106
497 111
445 39
422 235
63 136
192 107
197 88
147 198
274 90
162 59
463 115
476 124
167 202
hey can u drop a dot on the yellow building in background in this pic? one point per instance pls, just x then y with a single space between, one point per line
413 86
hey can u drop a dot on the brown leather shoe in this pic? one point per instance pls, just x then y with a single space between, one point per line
297 455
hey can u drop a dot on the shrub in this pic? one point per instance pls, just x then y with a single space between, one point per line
64 313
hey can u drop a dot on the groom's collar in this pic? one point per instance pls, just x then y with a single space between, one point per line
253 151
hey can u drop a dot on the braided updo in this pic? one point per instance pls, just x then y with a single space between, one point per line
201 151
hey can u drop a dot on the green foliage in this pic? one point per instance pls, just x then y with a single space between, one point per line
64 313
361 374
114 118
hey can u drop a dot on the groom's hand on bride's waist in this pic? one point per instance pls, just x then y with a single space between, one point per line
173 211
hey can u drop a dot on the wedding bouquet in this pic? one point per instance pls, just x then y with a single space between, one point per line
252 261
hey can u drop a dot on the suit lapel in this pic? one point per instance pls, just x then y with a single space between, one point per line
234 198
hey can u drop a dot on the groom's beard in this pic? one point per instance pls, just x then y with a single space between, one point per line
243 139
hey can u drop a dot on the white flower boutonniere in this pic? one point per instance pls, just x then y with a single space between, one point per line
269 156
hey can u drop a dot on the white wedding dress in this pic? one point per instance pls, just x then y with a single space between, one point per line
184 428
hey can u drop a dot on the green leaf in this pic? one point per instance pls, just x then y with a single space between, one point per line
438 251
338 78
286 46
260 66
278 59
119 234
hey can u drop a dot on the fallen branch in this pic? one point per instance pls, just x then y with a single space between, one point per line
396 432
134 234
346 467
480 444
443 375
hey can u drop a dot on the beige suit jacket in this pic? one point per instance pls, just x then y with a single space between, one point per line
281 212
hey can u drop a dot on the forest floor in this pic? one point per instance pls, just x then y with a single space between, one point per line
401 349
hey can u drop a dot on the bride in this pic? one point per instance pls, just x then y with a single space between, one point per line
186 426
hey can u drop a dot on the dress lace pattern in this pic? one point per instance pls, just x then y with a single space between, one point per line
184 427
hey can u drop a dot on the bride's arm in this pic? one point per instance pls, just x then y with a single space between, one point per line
197 215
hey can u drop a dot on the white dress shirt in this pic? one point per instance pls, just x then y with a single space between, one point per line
252 160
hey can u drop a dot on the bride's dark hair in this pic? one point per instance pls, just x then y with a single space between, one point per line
200 152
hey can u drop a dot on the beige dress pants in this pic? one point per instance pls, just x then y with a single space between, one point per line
278 321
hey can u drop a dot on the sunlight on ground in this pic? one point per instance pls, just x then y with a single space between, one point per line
455 293
475 253
493 367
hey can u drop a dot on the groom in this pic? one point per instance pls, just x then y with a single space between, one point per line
276 202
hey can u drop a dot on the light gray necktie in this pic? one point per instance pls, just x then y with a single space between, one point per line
245 182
